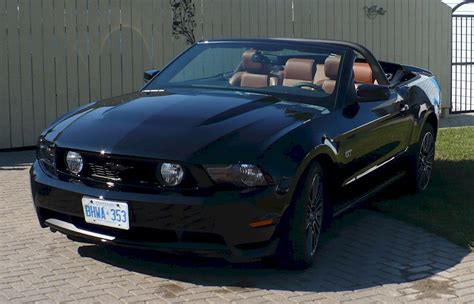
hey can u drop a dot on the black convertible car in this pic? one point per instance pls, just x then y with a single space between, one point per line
241 149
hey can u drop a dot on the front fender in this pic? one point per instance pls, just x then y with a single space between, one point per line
324 152
287 185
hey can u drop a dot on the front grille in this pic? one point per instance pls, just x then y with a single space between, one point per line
175 216
104 172
115 170
123 173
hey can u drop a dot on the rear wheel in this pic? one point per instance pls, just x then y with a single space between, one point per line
421 164
303 223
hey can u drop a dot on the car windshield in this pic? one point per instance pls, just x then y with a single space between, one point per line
299 72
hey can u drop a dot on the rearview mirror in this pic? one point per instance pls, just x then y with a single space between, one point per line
371 92
148 75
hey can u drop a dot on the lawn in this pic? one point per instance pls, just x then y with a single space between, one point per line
447 207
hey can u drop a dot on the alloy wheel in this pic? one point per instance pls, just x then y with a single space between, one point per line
425 160
314 214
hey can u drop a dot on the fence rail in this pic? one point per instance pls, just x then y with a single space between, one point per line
58 54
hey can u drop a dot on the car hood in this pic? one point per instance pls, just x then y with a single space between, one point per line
210 126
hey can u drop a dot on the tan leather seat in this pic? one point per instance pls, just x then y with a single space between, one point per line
298 70
331 69
320 75
254 80
362 74
276 78
253 74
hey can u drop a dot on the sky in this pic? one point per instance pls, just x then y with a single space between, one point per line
466 9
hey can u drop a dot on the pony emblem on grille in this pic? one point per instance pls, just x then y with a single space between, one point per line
109 171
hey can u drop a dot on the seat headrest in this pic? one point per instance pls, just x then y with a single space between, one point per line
252 80
363 73
254 67
301 69
331 67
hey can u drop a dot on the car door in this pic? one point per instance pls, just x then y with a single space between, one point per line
381 132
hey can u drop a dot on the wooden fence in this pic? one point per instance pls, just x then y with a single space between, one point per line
58 54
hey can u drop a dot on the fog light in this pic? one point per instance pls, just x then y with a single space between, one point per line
172 174
74 162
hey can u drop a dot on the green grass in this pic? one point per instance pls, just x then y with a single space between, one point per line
447 207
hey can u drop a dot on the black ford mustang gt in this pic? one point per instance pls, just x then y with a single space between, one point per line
241 149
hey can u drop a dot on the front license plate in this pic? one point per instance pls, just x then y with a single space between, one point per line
106 213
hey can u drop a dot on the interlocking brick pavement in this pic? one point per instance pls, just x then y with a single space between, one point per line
364 258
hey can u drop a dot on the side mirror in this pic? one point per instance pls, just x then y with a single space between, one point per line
148 75
371 92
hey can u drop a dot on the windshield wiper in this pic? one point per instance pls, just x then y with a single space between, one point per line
152 91
261 92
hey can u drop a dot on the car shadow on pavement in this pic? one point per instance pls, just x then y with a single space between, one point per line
16 161
362 249
457 120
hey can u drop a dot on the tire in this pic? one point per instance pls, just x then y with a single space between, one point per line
304 221
420 167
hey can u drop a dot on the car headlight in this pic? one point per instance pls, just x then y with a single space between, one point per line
172 174
46 154
74 162
241 175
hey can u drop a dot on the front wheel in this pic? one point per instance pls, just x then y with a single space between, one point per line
421 164
303 222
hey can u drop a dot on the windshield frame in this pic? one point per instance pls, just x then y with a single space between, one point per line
329 101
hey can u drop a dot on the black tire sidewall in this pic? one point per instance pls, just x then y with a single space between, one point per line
292 250
414 183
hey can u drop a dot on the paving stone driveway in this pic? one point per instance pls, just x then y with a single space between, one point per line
365 257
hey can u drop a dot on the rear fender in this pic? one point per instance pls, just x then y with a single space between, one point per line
425 96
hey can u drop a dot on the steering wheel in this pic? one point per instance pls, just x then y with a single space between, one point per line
309 85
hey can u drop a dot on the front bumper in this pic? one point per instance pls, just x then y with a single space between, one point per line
217 225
